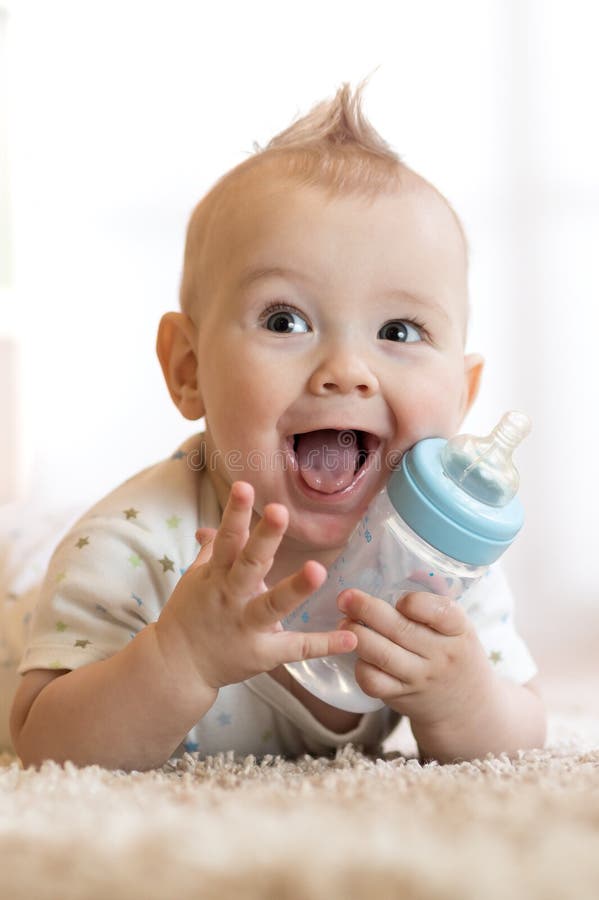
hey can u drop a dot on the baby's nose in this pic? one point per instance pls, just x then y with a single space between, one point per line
343 372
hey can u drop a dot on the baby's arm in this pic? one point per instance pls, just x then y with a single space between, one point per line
129 711
220 626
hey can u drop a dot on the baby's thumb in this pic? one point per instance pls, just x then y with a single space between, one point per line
204 537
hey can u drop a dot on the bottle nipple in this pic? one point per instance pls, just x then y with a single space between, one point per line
483 466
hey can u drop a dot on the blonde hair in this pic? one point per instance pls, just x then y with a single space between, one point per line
333 146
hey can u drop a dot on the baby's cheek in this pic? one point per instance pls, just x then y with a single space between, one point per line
429 406
263 390
242 399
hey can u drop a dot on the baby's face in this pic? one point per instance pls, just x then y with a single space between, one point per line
341 315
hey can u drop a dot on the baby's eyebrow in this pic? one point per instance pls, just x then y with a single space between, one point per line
256 273
418 300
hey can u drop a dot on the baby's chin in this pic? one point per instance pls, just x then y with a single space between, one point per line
329 536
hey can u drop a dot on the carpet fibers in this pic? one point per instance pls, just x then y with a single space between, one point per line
348 827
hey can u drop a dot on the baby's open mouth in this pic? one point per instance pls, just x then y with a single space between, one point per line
329 459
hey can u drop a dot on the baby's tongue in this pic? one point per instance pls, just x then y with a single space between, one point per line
327 458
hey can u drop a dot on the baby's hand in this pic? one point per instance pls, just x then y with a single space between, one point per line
423 658
221 612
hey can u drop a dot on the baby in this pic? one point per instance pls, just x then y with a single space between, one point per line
324 290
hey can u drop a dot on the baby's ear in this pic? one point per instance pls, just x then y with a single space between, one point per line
176 344
473 370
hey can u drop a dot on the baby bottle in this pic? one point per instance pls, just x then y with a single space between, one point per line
447 513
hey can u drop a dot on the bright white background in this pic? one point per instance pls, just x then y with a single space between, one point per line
120 115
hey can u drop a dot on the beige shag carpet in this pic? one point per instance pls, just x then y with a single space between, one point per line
348 827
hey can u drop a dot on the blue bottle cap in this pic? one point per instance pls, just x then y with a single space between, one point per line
444 514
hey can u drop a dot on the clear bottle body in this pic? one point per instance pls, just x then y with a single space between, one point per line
387 559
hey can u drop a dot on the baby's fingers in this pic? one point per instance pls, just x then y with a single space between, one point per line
256 558
264 611
440 613
269 608
205 538
294 646
234 527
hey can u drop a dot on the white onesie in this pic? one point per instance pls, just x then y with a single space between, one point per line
113 572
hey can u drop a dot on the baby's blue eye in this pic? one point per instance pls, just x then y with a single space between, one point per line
284 321
399 330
